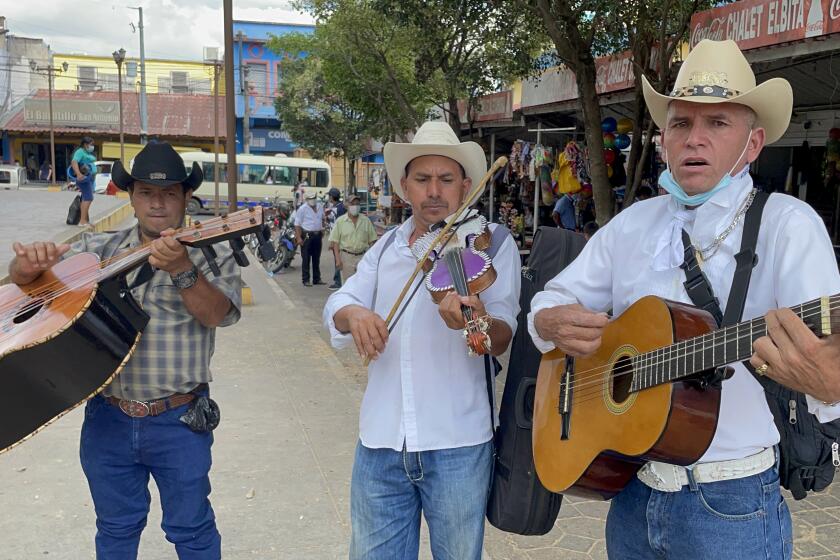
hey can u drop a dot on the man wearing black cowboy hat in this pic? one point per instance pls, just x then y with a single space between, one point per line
139 426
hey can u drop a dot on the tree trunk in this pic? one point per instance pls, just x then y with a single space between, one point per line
638 145
351 181
454 117
587 93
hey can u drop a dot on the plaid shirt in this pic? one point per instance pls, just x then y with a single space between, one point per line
173 355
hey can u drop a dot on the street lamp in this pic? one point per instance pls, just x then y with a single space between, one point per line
51 71
119 57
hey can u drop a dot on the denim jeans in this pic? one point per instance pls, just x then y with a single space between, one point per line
744 519
390 488
118 453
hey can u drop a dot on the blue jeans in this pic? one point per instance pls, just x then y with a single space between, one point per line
118 453
744 518
390 488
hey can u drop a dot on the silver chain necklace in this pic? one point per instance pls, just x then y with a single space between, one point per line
709 251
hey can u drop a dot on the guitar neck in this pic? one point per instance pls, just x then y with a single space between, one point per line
718 348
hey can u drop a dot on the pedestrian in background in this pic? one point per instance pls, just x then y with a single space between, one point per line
84 169
309 229
352 235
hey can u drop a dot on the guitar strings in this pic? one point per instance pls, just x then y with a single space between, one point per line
587 392
594 376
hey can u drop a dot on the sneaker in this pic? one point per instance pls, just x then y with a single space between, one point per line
334 287
319 283
307 284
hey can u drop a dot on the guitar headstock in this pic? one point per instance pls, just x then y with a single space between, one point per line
221 228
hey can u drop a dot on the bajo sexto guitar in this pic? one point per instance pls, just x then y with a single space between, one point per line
66 335
650 393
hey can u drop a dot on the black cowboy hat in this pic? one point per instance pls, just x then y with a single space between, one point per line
157 164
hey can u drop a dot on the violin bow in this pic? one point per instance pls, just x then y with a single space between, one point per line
471 198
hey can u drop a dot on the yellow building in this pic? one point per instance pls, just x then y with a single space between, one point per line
99 73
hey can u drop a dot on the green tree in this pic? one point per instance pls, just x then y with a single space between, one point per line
314 116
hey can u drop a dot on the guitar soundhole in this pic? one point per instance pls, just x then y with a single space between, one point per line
28 311
622 376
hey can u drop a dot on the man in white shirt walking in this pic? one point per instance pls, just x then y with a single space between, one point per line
425 424
309 230
715 122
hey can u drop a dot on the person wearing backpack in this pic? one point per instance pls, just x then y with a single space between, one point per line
426 423
714 123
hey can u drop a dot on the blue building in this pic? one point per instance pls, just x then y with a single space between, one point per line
261 68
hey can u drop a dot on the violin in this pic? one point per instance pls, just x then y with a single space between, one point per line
459 264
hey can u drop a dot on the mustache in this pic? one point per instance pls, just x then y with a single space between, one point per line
434 204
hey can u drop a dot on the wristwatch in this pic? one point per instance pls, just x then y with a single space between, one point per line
186 279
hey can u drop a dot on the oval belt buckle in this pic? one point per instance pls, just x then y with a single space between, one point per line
135 409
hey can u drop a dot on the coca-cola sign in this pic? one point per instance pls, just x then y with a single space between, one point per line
760 23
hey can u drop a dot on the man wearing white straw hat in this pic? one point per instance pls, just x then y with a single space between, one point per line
425 433
714 123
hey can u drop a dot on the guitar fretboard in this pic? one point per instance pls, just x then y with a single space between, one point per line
718 348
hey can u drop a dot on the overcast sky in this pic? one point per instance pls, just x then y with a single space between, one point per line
173 28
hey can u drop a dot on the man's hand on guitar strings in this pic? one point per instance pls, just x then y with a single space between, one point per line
38 256
169 255
797 359
572 328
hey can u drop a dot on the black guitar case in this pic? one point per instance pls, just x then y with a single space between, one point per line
518 502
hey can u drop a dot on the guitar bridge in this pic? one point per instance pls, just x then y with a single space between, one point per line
564 404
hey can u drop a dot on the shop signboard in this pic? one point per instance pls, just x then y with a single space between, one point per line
761 23
612 73
492 107
71 112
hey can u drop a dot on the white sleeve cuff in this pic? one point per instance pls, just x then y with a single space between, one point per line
822 411
336 303
541 344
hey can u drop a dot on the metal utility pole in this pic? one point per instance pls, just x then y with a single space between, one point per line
144 115
51 71
216 68
230 106
243 82
119 57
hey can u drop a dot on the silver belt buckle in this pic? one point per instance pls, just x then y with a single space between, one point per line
135 409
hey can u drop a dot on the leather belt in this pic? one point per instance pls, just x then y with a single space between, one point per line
671 478
141 409
352 253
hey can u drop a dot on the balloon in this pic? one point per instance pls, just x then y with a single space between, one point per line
609 140
624 126
608 124
622 141
834 133
609 172
609 156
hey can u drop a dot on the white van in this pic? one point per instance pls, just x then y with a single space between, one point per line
261 179
12 177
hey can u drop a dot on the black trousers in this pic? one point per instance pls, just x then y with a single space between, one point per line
311 252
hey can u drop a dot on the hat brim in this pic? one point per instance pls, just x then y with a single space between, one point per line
124 180
398 155
772 102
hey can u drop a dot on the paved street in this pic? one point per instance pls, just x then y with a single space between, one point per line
283 456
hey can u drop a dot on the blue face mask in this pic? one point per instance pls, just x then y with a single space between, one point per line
667 182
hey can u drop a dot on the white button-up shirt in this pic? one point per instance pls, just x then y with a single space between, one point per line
310 219
424 389
796 263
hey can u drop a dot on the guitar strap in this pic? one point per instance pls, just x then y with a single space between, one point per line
697 285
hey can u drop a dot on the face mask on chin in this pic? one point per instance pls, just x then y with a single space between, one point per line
311 203
353 210
669 183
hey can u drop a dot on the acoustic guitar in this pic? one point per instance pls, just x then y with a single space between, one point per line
650 393
67 334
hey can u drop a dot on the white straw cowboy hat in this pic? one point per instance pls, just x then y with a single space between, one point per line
718 72
434 138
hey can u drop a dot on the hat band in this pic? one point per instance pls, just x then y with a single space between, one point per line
705 91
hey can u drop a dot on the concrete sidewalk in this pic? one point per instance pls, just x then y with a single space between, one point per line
39 215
